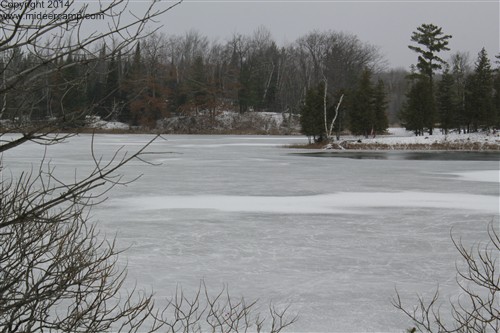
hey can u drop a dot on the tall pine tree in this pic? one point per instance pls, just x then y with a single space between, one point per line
431 41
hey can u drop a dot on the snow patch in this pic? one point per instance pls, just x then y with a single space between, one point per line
334 203
98 123
491 176
401 136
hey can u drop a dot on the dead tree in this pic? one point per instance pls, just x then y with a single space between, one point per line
477 308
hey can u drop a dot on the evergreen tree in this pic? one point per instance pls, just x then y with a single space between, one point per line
248 93
432 41
479 101
311 114
496 85
67 89
113 99
361 113
381 122
96 91
414 115
447 102
75 99
368 106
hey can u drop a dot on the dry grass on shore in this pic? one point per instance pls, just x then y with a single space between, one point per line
443 146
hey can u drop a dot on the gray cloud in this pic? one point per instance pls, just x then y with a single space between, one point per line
387 24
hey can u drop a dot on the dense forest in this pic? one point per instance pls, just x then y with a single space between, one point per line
188 76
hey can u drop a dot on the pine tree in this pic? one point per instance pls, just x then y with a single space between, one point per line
96 91
67 89
368 106
112 91
311 114
75 95
447 102
249 92
381 122
496 85
432 41
133 87
479 101
414 115
361 113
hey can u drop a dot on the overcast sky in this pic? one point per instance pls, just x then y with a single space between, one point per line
386 24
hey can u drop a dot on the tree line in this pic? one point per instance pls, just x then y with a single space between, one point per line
187 75
462 98
435 94
164 75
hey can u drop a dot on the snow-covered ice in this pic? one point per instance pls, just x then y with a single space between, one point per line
333 237
342 202
491 176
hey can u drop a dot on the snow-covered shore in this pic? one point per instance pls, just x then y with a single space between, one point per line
399 138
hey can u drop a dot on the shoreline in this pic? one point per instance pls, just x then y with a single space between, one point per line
435 146
396 140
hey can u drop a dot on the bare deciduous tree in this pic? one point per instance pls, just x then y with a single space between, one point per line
477 308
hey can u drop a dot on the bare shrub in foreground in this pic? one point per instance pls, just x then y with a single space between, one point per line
220 312
478 306
56 273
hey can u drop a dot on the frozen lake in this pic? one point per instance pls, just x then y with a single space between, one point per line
333 237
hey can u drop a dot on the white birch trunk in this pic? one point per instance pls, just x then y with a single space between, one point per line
336 115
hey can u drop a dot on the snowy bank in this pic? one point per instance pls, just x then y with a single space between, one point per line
230 122
400 139
96 122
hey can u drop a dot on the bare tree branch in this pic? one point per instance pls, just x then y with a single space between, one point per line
477 308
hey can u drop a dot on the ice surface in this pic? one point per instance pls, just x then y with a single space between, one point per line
332 237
